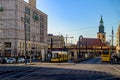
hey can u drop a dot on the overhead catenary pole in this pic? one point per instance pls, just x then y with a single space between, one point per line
23 19
51 46
79 46
25 43
67 39
112 38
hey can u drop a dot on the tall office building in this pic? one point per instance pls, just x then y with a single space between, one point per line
22 23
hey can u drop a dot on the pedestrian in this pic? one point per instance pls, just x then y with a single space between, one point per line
3 61
16 59
115 58
39 58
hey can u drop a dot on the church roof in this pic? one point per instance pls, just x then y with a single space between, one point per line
91 42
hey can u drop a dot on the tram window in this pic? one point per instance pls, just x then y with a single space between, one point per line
105 53
59 56
55 55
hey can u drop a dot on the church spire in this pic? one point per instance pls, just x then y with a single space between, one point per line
101 26
101 21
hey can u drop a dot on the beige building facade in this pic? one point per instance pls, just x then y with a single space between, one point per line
57 41
118 41
19 22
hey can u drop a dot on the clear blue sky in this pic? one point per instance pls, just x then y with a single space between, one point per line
80 17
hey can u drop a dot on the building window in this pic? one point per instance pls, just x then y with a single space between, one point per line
27 10
41 32
19 45
7 44
99 36
41 18
27 26
35 16
22 45
28 36
27 19
103 36
41 25
0 45
41 39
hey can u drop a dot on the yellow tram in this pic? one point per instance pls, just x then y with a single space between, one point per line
105 56
59 56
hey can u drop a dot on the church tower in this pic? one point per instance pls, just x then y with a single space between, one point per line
101 34
32 2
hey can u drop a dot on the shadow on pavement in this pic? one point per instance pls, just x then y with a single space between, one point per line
44 73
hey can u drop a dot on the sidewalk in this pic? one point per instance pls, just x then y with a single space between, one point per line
37 63
49 63
70 62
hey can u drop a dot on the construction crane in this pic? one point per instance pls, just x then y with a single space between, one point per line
67 38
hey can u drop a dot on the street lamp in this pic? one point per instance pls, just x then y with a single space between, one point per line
101 48
49 55
24 20
51 45
33 36
79 46
112 38
86 46
80 43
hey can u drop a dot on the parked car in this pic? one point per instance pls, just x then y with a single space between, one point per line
4 60
21 60
11 60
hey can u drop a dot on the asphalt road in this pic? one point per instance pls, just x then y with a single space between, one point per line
88 70
96 60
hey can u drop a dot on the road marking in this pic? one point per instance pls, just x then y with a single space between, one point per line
115 68
111 77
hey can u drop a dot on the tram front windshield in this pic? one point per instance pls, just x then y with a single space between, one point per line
105 52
